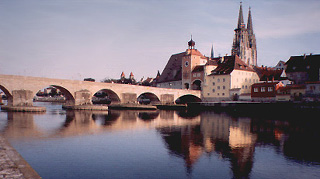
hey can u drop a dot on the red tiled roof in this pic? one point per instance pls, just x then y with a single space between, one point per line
213 61
229 64
268 73
174 65
194 52
288 87
198 68
264 84
173 69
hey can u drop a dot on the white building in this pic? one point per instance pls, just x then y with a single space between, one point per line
229 80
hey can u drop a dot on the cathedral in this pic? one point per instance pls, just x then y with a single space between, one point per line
244 42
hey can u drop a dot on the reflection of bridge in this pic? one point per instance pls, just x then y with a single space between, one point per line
20 91
75 123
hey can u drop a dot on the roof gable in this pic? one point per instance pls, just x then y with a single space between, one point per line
229 63
173 69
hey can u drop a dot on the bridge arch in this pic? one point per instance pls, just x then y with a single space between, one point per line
70 100
196 85
111 95
148 98
7 93
187 99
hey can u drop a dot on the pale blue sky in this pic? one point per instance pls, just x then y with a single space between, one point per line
76 39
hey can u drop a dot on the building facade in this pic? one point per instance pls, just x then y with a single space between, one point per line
231 78
265 91
302 69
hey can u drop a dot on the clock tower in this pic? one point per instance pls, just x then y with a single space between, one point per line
190 60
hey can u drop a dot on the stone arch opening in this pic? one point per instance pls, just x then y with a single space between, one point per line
105 96
196 85
7 94
187 99
55 93
148 98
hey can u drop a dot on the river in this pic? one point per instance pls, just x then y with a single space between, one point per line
163 144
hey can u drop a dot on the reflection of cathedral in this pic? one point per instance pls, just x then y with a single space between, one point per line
185 142
232 138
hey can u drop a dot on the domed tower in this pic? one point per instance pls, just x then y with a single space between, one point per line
191 43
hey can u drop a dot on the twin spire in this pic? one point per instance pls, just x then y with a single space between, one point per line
241 21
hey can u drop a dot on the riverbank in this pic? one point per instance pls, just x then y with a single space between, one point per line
284 109
23 108
12 164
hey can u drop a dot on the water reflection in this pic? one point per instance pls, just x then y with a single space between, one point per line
230 138
186 135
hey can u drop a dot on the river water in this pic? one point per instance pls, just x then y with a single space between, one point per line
163 144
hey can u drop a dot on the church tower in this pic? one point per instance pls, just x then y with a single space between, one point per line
244 42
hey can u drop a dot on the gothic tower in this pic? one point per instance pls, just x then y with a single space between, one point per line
244 42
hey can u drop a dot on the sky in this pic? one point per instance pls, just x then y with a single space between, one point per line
77 39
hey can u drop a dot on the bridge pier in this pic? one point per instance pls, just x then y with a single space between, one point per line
167 99
83 101
22 100
128 98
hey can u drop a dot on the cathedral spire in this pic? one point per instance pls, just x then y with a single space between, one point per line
249 25
212 54
240 18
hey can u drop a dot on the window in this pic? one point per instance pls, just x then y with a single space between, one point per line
270 89
263 89
213 90
218 87
218 79
213 83
255 90
223 87
222 94
223 79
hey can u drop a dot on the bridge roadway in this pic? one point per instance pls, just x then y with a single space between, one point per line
20 91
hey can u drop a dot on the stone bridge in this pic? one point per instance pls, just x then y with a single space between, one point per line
20 91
